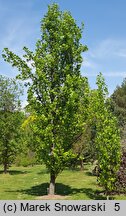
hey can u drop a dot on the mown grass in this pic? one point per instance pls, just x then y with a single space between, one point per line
31 183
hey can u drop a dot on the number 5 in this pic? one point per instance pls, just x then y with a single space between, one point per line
117 206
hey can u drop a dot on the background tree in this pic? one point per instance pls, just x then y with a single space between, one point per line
119 102
10 121
118 107
81 147
27 157
107 139
55 86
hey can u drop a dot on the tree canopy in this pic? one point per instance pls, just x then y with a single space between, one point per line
62 107
54 91
10 120
119 102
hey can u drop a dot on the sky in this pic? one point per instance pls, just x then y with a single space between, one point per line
104 33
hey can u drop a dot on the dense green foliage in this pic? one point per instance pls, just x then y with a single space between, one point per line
107 137
55 89
119 103
67 121
25 158
118 107
10 121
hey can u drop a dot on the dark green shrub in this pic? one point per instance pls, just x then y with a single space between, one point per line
121 175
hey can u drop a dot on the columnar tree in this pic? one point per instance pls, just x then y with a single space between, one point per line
107 137
54 89
10 121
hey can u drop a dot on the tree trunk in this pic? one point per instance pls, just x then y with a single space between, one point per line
5 168
52 184
81 165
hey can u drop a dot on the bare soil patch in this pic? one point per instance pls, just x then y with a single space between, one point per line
52 197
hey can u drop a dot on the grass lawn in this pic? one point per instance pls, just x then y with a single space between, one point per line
31 183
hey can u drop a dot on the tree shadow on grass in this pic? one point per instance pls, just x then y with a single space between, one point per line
63 190
38 190
88 173
14 172
45 171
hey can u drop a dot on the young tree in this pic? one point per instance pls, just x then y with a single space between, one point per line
55 86
10 121
107 137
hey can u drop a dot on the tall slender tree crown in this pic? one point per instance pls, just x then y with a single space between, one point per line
55 88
